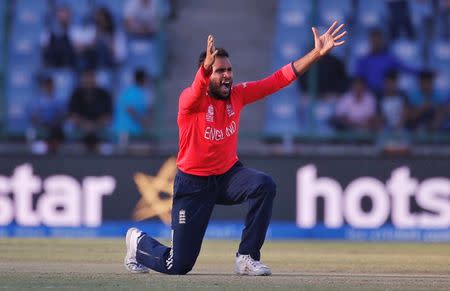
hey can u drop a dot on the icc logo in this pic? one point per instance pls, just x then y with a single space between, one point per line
157 193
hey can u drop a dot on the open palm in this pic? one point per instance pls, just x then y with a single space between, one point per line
325 42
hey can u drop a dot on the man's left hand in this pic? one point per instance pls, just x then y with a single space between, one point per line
324 43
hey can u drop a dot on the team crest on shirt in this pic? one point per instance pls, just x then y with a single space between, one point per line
210 114
230 111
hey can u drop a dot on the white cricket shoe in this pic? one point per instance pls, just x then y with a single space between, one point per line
130 259
245 265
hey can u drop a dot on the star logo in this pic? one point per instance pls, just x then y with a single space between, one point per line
157 193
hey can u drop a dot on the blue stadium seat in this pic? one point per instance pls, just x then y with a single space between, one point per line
371 13
419 10
145 54
105 79
65 82
20 78
294 5
2 7
440 62
29 16
20 86
442 81
333 10
407 82
296 18
37 6
282 117
409 52
440 55
23 46
359 48
286 51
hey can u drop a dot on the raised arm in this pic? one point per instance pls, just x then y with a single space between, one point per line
190 99
323 44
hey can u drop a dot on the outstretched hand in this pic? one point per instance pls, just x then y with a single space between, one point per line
210 53
325 42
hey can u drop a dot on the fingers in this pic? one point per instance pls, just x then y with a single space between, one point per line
337 29
210 40
315 32
339 43
210 46
332 27
340 36
215 52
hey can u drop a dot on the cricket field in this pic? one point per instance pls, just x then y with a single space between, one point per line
296 265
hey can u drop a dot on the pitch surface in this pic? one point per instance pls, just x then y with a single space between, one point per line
296 265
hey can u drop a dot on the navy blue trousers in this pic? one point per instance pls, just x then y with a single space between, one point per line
193 202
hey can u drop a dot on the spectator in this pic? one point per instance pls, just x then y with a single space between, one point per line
399 18
425 105
393 138
142 17
328 65
57 41
84 43
373 67
392 105
132 114
109 42
47 115
326 89
90 110
98 43
356 109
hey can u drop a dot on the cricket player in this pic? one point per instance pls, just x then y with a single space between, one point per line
209 171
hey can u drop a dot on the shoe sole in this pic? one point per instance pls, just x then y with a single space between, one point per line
248 273
253 274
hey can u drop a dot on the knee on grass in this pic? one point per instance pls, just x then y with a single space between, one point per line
182 269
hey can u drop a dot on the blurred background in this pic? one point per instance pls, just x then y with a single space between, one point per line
89 88
387 89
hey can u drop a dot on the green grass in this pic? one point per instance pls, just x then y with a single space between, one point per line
296 265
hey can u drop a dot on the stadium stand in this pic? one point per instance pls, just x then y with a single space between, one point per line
290 115
24 56
427 51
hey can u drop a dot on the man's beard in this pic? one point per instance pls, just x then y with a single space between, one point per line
214 91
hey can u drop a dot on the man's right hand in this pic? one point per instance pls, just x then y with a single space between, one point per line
210 53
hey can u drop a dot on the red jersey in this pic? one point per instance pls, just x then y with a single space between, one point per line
208 127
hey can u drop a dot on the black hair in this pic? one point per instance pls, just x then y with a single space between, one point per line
46 81
426 75
391 75
108 25
140 76
221 52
